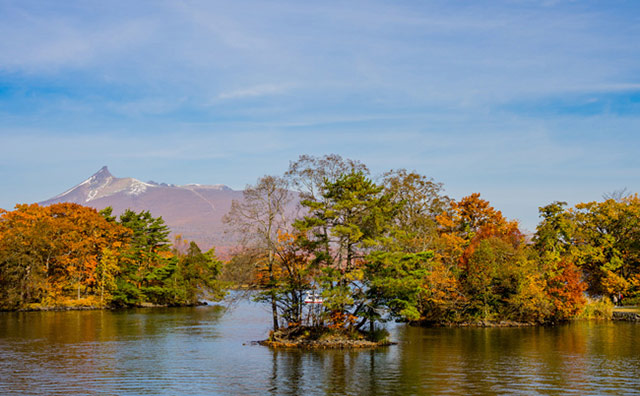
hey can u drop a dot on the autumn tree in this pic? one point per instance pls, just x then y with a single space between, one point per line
58 252
25 255
595 243
498 273
554 235
70 255
257 219
293 277
555 245
607 244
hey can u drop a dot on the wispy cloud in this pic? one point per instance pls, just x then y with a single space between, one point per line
51 43
256 91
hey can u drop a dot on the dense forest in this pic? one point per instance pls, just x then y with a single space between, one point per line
397 248
67 255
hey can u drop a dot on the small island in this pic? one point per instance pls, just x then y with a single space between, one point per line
320 337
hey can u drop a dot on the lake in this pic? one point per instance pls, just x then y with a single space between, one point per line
207 350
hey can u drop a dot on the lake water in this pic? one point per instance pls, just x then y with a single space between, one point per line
208 350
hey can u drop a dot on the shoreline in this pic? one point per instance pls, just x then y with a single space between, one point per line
482 323
290 338
325 344
96 308
625 316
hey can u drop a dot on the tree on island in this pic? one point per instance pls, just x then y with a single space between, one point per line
259 219
350 218
403 250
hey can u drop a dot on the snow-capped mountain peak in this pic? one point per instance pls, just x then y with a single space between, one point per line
194 211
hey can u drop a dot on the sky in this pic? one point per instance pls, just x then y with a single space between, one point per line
525 102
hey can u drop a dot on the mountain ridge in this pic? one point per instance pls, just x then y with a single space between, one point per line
193 211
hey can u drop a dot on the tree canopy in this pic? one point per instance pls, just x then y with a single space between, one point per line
401 249
67 255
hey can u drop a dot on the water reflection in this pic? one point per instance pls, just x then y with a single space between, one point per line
207 351
564 359
328 372
73 352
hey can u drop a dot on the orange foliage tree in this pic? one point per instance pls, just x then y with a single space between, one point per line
55 252
496 270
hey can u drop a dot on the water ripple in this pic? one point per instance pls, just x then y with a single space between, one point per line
198 351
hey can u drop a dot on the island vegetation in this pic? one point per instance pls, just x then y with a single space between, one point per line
335 252
397 248
70 256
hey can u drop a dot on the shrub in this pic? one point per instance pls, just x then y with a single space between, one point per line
598 309
378 335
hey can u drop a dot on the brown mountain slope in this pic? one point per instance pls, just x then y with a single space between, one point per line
193 211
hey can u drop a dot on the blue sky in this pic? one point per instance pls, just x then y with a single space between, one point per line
526 102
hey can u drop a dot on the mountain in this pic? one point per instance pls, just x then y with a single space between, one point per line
193 211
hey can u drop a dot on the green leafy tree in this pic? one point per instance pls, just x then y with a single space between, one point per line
197 275
554 234
147 263
420 201
397 284
350 219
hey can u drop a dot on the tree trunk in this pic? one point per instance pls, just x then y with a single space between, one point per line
362 322
274 310
274 306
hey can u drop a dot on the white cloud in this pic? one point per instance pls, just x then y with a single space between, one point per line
256 91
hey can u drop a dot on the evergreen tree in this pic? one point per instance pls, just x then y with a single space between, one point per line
351 219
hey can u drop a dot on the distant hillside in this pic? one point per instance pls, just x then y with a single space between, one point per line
194 211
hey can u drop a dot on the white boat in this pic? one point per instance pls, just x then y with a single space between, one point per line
313 298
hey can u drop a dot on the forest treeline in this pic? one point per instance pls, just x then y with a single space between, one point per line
396 247
68 255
